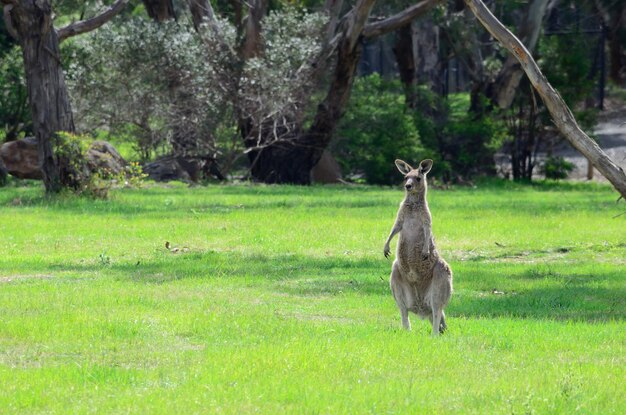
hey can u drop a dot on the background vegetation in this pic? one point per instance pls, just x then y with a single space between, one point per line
156 85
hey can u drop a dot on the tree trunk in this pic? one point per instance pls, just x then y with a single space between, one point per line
30 22
201 12
616 47
49 101
561 114
287 163
426 51
160 10
405 58
417 55
502 91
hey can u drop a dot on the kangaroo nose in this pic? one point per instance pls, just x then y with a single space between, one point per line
408 186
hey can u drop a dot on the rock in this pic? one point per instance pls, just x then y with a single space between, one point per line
186 169
166 169
21 158
327 170
102 156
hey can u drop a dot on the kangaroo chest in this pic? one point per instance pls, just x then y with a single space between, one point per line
413 226
410 246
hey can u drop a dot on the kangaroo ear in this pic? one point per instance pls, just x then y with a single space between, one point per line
426 165
403 166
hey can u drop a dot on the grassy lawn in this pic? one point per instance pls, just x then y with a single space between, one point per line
275 300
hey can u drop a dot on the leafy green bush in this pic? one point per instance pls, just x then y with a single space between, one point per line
15 115
71 149
567 63
375 130
557 168
462 144
471 143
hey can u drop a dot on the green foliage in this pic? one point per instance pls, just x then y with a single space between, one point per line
6 41
472 142
557 168
145 82
281 302
566 62
461 143
375 130
15 117
71 150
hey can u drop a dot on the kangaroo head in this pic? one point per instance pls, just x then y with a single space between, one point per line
414 179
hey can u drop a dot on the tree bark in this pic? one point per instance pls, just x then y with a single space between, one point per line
405 58
160 10
291 161
31 24
49 101
561 114
201 12
417 55
616 47
503 89
252 45
95 22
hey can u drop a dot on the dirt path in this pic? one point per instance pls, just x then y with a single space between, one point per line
611 137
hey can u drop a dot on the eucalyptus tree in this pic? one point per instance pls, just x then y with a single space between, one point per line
283 146
30 23
559 111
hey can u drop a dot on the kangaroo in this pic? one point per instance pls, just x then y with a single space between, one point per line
421 281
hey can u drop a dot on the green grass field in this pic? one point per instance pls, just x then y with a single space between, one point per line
276 300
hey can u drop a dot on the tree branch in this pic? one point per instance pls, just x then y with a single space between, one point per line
398 20
252 45
201 12
8 22
356 20
561 114
88 25
332 8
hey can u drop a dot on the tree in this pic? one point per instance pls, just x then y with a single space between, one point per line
288 153
269 65
613 15
561 114
30 23
503 88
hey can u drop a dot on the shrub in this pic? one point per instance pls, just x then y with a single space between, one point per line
557 168
461 143
15 115
375 130
71 150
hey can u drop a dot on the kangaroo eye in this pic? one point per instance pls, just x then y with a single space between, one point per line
418 178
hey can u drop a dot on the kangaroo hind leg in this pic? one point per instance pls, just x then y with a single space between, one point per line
399 290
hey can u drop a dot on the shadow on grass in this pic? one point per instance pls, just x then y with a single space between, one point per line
181 200
561 292
190 202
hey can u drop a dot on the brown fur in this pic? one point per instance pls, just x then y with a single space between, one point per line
421 281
